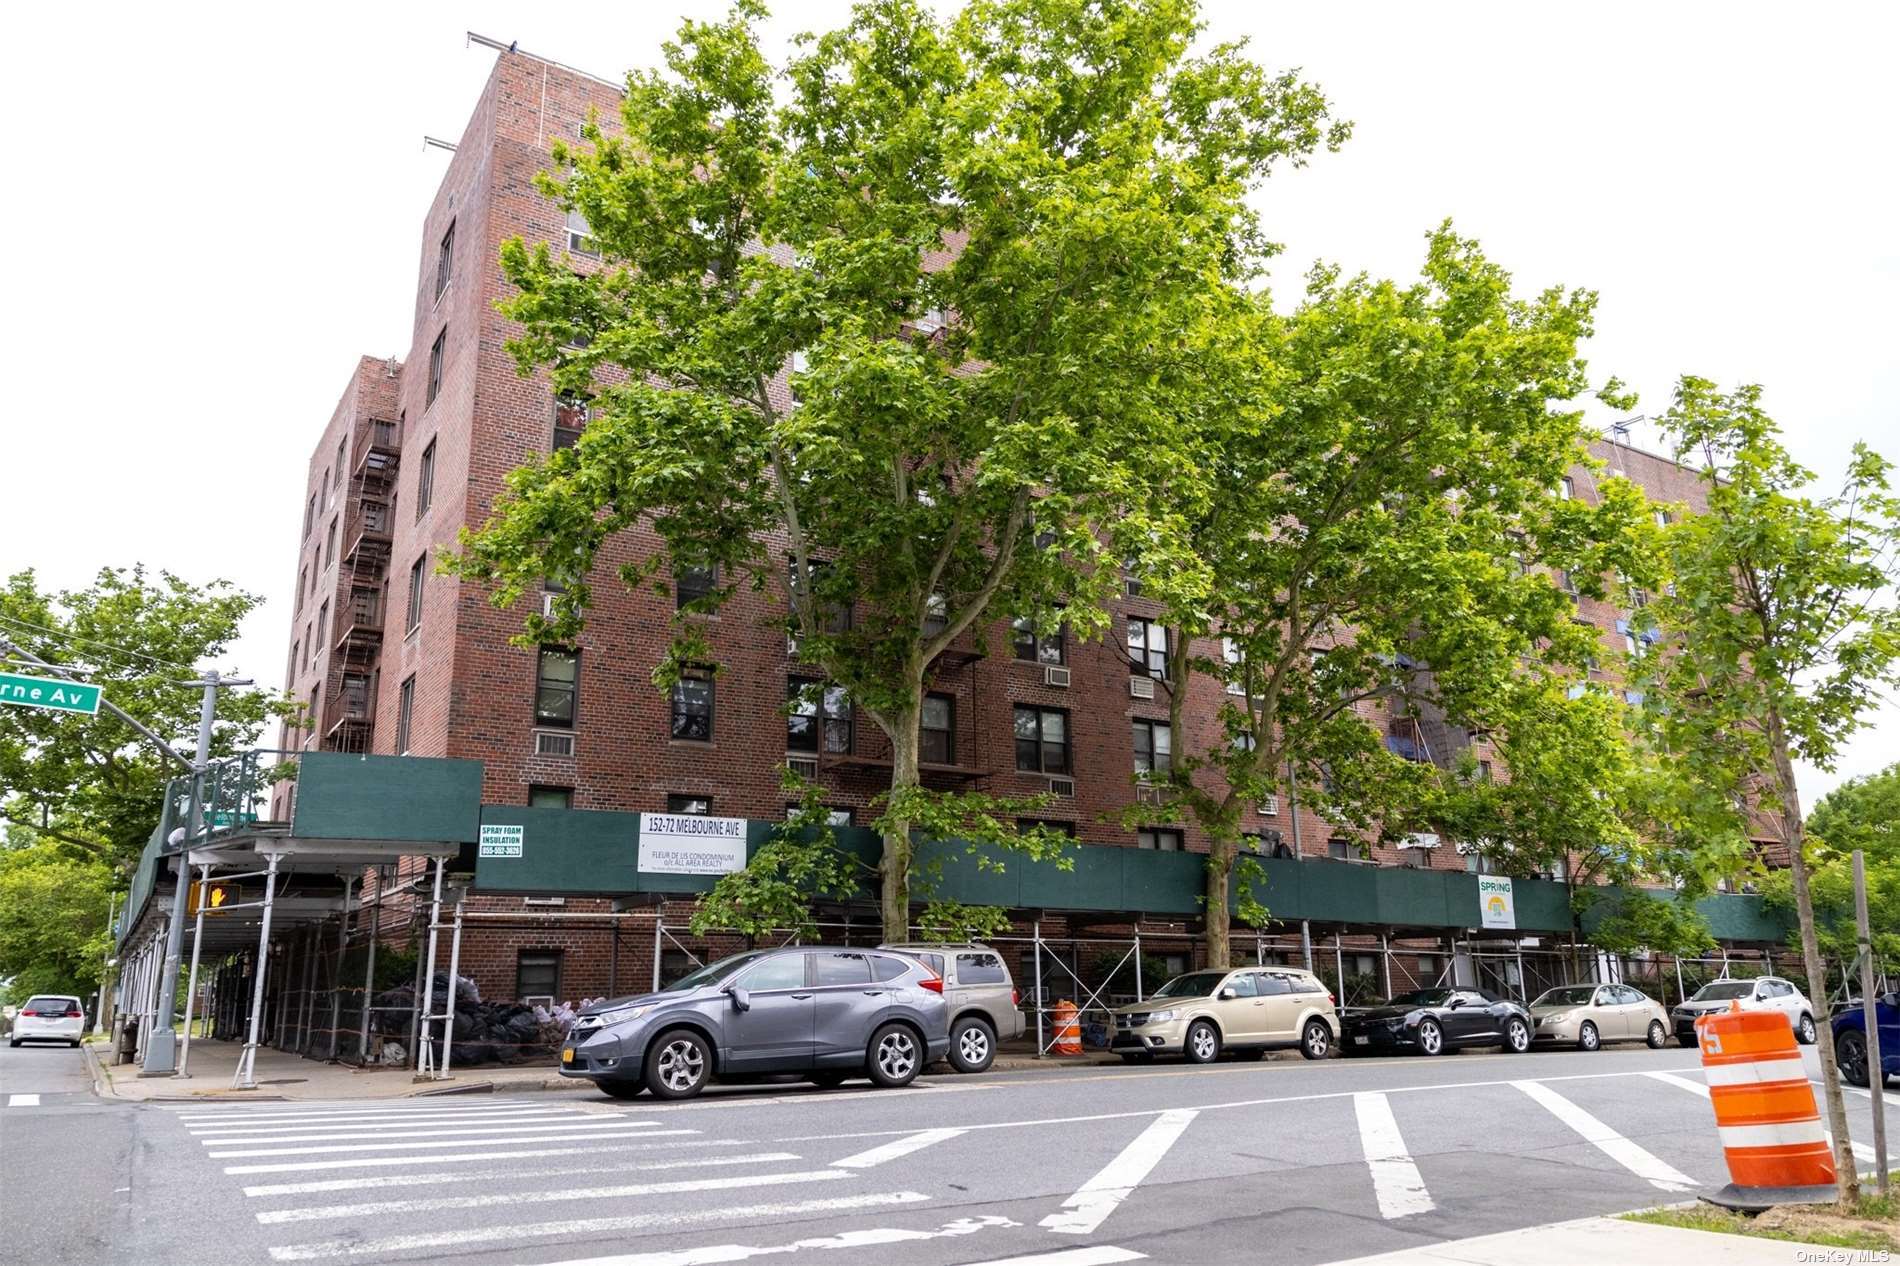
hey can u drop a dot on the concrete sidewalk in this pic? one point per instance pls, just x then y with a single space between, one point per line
282 1075
1598 1242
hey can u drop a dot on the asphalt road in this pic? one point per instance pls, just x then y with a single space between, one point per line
1281 1161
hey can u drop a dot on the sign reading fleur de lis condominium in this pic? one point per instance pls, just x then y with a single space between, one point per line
48 692
691 844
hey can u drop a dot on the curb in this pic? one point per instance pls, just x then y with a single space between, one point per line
101 1082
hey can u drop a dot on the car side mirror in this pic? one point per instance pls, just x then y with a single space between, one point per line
741 1000
1456 1002
1226 994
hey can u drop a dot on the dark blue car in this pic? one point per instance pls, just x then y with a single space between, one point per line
1850 1039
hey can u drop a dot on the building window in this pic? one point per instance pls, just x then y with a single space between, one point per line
1166 840
1148 647
1131 580
693 584
833 817
292 670
572 413
324 497
550 797
1034 648
1042 740
1484 771
1479 864
816 715
309 516
695 806
1664 518
413 619
425 480
1342 848
445 261
936 731
303 579
342 467
1048 824
557 682
309 640
436 351
538 974
936 615
405 713
329 545
323 623
1566 488
580 236
1154 747
693 707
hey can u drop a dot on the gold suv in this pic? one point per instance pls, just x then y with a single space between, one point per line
1247 1010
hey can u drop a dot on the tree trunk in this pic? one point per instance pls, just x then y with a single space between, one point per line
894 870
1847 1174
1219 923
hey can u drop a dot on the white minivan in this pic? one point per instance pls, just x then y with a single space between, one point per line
49 1017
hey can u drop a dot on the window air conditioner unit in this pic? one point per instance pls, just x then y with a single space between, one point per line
553 743
803 766
1141 688
1270 807
547 606
1052 675
539 1000
1147 793
1062 786
544 901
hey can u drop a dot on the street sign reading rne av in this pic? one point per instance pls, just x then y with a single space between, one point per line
48 692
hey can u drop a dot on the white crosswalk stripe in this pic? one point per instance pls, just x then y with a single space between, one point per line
1395 1177
1104 1193
1631 1156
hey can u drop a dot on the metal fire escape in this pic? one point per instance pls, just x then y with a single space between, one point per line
349 716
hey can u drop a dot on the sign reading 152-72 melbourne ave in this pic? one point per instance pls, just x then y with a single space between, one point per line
48 692
689 844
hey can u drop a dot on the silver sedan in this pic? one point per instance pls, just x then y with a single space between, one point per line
1587 1016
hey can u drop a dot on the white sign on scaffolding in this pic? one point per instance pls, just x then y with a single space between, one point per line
502 841
691 844
1496 907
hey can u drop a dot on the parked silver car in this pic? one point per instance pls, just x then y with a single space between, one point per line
829 1013
983 1003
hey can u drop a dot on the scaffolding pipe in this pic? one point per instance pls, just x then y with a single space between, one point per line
246 1078
369 970
1138 994
336 973
191 983
311 954
659 930
428 978
1385 958
1036 932
448 1009
1306 942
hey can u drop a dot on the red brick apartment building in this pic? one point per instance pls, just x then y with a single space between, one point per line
392 658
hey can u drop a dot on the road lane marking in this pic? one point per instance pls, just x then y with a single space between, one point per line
1092 1255
1395 1177
364 1111
437 1204
870 1237
321 1249
245 1125
1694 1087
380 1181
1638 1160
1100 1195
23 1101
427 1143
362 1162
892 1150
500 1133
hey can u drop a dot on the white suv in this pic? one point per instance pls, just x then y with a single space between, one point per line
49 1017
1763 993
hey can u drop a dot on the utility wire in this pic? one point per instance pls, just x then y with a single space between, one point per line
87 641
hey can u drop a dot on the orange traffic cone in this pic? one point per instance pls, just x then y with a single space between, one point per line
1764 1109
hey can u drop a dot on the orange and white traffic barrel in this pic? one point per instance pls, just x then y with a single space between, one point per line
1777 1150
1068 1028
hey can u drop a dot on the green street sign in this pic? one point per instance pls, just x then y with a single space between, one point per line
48 692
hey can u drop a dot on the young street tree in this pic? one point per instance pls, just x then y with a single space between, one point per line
89 783
1861 814
1781 631
980 244
1383 473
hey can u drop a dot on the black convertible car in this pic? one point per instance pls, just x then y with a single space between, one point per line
1434 1021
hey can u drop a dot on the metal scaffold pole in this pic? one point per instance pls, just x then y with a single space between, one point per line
1037 933
336 973
246 1078
659 930
448 1009
424 1062
369 972
191 985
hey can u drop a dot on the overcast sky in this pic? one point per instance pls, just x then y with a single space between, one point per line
217 209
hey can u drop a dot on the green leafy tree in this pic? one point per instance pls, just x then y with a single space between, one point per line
979 244
1382 466
53 906
1781 632
92 783
1862 814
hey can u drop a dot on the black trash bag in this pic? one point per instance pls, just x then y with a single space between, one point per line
465 1054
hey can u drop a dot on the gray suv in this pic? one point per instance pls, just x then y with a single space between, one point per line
984 1005
828 1013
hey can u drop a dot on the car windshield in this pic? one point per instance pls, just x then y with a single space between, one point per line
1422 998
713 973
1196 984
1717 989
1566 996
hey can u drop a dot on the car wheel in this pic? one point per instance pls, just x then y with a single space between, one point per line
1804 1031
1431 1038
14 1042
1850 1052
828 1079
1316 1040
1517 1036
894 1056
1588 1039
1658 1035
679 1064
1688 1041
621 1087
1203 1043
972 1045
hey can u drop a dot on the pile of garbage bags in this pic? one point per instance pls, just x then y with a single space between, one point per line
481 1032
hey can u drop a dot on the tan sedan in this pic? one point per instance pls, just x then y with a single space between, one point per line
1587 1016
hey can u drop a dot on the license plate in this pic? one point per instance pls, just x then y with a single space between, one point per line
567 1055
1362 1041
